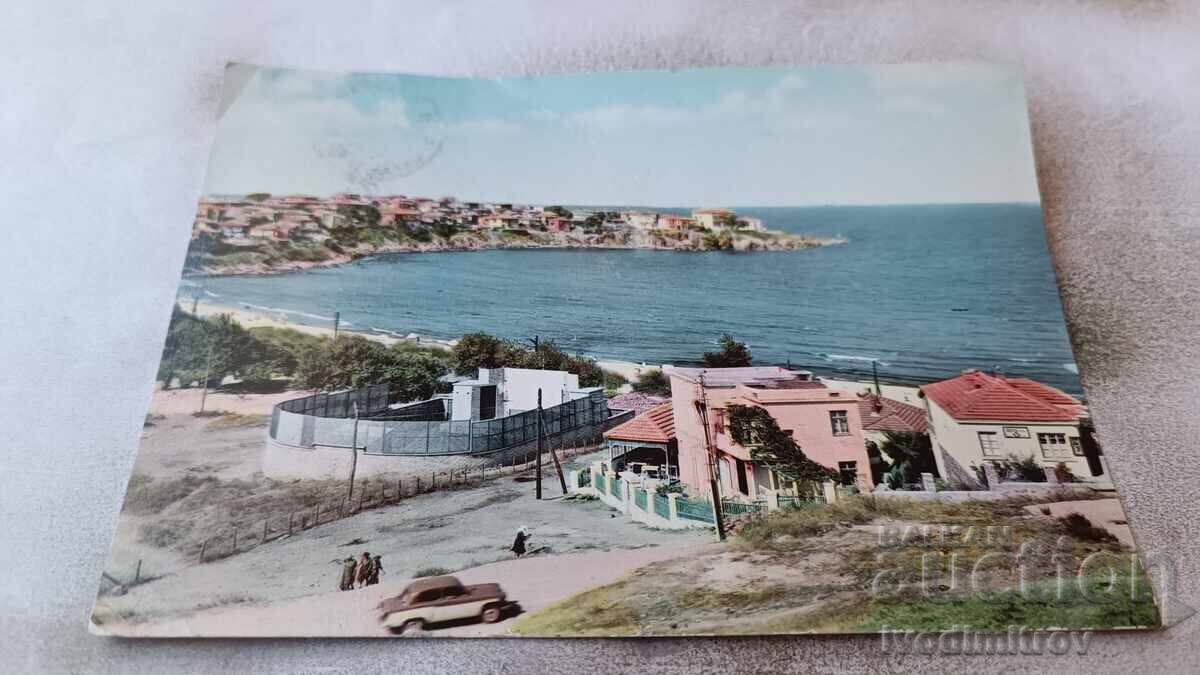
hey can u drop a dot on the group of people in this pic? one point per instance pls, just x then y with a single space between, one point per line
362 572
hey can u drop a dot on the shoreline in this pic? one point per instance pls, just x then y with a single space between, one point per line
781 242
253 317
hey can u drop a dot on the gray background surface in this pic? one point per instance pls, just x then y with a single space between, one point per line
106 114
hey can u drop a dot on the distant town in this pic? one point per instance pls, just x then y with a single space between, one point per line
258 232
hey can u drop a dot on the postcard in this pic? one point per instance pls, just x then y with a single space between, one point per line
706 352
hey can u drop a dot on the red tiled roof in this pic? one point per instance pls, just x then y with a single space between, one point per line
980 396
884 414
656 425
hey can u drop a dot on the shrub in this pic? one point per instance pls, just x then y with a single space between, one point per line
1063 473
613 381
1078 526
653 382
431 571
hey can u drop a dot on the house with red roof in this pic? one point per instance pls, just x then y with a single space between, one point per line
980 417
648 438
825 422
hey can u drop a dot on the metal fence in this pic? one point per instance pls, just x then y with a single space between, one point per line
695 510
732 507
422 428
370 400
662 505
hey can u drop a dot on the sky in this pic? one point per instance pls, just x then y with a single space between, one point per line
899 134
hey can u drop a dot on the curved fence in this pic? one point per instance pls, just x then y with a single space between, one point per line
422 428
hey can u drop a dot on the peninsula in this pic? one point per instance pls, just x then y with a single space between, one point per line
263 234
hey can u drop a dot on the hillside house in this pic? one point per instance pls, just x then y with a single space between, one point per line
979 417
825 422
714 219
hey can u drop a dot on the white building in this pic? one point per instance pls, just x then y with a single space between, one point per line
979 418
500 392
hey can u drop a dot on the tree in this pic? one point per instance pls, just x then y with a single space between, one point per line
754 428
217 346
560 211
733 354
480 350
258 196
653 382
911 455
444 229
354 362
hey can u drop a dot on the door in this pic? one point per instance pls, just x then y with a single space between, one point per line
487 402
743 486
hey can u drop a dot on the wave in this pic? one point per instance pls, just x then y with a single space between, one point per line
1071 367
211 294
852 357
281 310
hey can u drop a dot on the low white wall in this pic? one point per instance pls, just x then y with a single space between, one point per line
1005 491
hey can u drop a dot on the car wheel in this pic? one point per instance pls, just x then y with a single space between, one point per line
491 614
412 627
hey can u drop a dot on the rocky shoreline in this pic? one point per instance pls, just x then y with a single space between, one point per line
277 260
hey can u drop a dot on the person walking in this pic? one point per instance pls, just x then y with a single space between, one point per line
518 546
348 568
363 570
375 571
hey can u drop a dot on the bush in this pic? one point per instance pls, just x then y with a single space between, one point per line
432 571
613 381
1078 526
653 382
1063 473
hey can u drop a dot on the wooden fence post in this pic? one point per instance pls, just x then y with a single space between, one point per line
291 517
235 540
265 523
399 490
317 518
137 574
203 549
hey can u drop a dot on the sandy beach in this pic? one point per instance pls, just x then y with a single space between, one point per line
252 317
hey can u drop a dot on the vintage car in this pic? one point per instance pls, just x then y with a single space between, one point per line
434 600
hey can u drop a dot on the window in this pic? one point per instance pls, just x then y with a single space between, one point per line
1054 446
839 422
848 472
1076 446
1016 432
989 442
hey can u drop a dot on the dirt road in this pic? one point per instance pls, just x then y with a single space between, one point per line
534 582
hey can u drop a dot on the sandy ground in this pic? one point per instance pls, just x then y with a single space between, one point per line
452 530
187 401
533 582
1106 513
178 443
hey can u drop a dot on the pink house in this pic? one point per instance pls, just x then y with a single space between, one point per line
824 421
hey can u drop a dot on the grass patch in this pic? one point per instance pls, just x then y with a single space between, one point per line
432 571
597 612
1088 602
238 420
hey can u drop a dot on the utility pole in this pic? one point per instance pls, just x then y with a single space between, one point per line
353 453
540 443
718 517
562 480
337 320
875 374
207 374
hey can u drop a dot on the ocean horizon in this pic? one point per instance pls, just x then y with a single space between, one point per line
921 291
